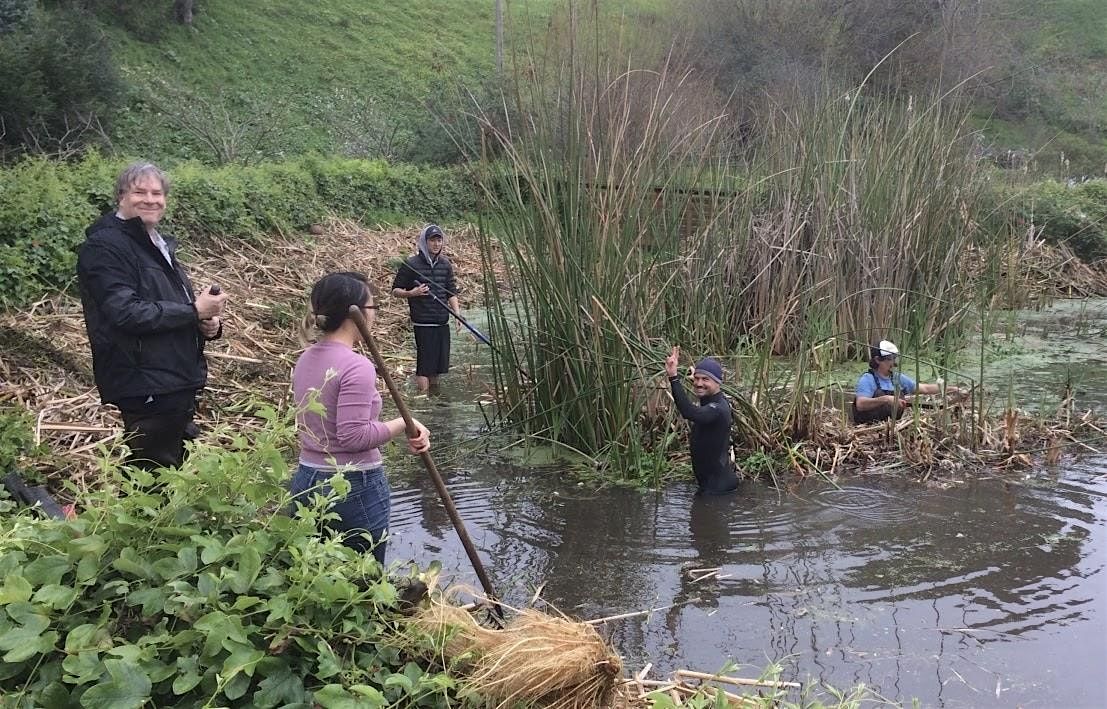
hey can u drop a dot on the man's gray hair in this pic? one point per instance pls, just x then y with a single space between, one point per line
135 172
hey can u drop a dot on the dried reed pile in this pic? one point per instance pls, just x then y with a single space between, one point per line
1036 271
945 442
536 658
46 366
550 661
688 688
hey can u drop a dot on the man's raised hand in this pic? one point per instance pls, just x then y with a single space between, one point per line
671 362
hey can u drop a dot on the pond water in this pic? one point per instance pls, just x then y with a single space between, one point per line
986 593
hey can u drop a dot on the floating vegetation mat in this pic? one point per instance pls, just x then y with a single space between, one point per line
686 688
1038 270
46 364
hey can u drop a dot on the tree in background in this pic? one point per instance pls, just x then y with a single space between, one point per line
58 83
14 12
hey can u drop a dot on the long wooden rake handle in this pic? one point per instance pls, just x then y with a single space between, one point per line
428 462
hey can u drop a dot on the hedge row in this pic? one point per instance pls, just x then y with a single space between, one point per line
45 206
1074 215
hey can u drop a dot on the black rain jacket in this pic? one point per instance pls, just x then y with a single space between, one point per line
142 325
439 276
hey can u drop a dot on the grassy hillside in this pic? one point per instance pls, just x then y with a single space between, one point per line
1050 95
315 71
270 79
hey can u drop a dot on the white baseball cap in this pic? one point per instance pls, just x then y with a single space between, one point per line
883 349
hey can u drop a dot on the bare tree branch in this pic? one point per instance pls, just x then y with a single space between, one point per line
70 139
230 135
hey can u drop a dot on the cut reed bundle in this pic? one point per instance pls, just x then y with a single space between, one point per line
537 658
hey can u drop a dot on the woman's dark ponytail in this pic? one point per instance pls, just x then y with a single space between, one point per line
333 294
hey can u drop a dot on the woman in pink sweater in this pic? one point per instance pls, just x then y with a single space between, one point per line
338 416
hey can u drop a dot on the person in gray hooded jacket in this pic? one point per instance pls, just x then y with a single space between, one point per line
426 280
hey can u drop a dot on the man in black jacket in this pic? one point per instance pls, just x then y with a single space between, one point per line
710 422
427 281
145 325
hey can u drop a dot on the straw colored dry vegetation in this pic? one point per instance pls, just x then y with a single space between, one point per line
1035 272
535 656
548 660
46 366
946 444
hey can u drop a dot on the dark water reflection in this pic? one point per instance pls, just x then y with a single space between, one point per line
987 594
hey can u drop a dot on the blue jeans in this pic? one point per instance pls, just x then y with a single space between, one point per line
364 510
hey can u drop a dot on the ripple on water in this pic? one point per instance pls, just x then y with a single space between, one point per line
417 506
867 503
496 514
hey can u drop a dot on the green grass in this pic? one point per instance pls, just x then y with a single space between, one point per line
1053 151
1075 29
325 70
1053 101
298 56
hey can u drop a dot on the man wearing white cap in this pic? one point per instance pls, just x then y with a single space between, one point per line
881 392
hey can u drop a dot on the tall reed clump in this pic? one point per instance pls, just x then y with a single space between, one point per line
628 222
580 211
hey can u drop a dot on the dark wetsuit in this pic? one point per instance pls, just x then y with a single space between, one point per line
709 440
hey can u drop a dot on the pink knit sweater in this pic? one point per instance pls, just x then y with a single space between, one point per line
344 383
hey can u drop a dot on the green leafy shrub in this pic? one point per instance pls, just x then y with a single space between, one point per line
362 189
13 13
199 594
16 436
42 217
208 201
1075 216
45 206
281 197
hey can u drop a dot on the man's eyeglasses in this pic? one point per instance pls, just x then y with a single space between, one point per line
885 358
